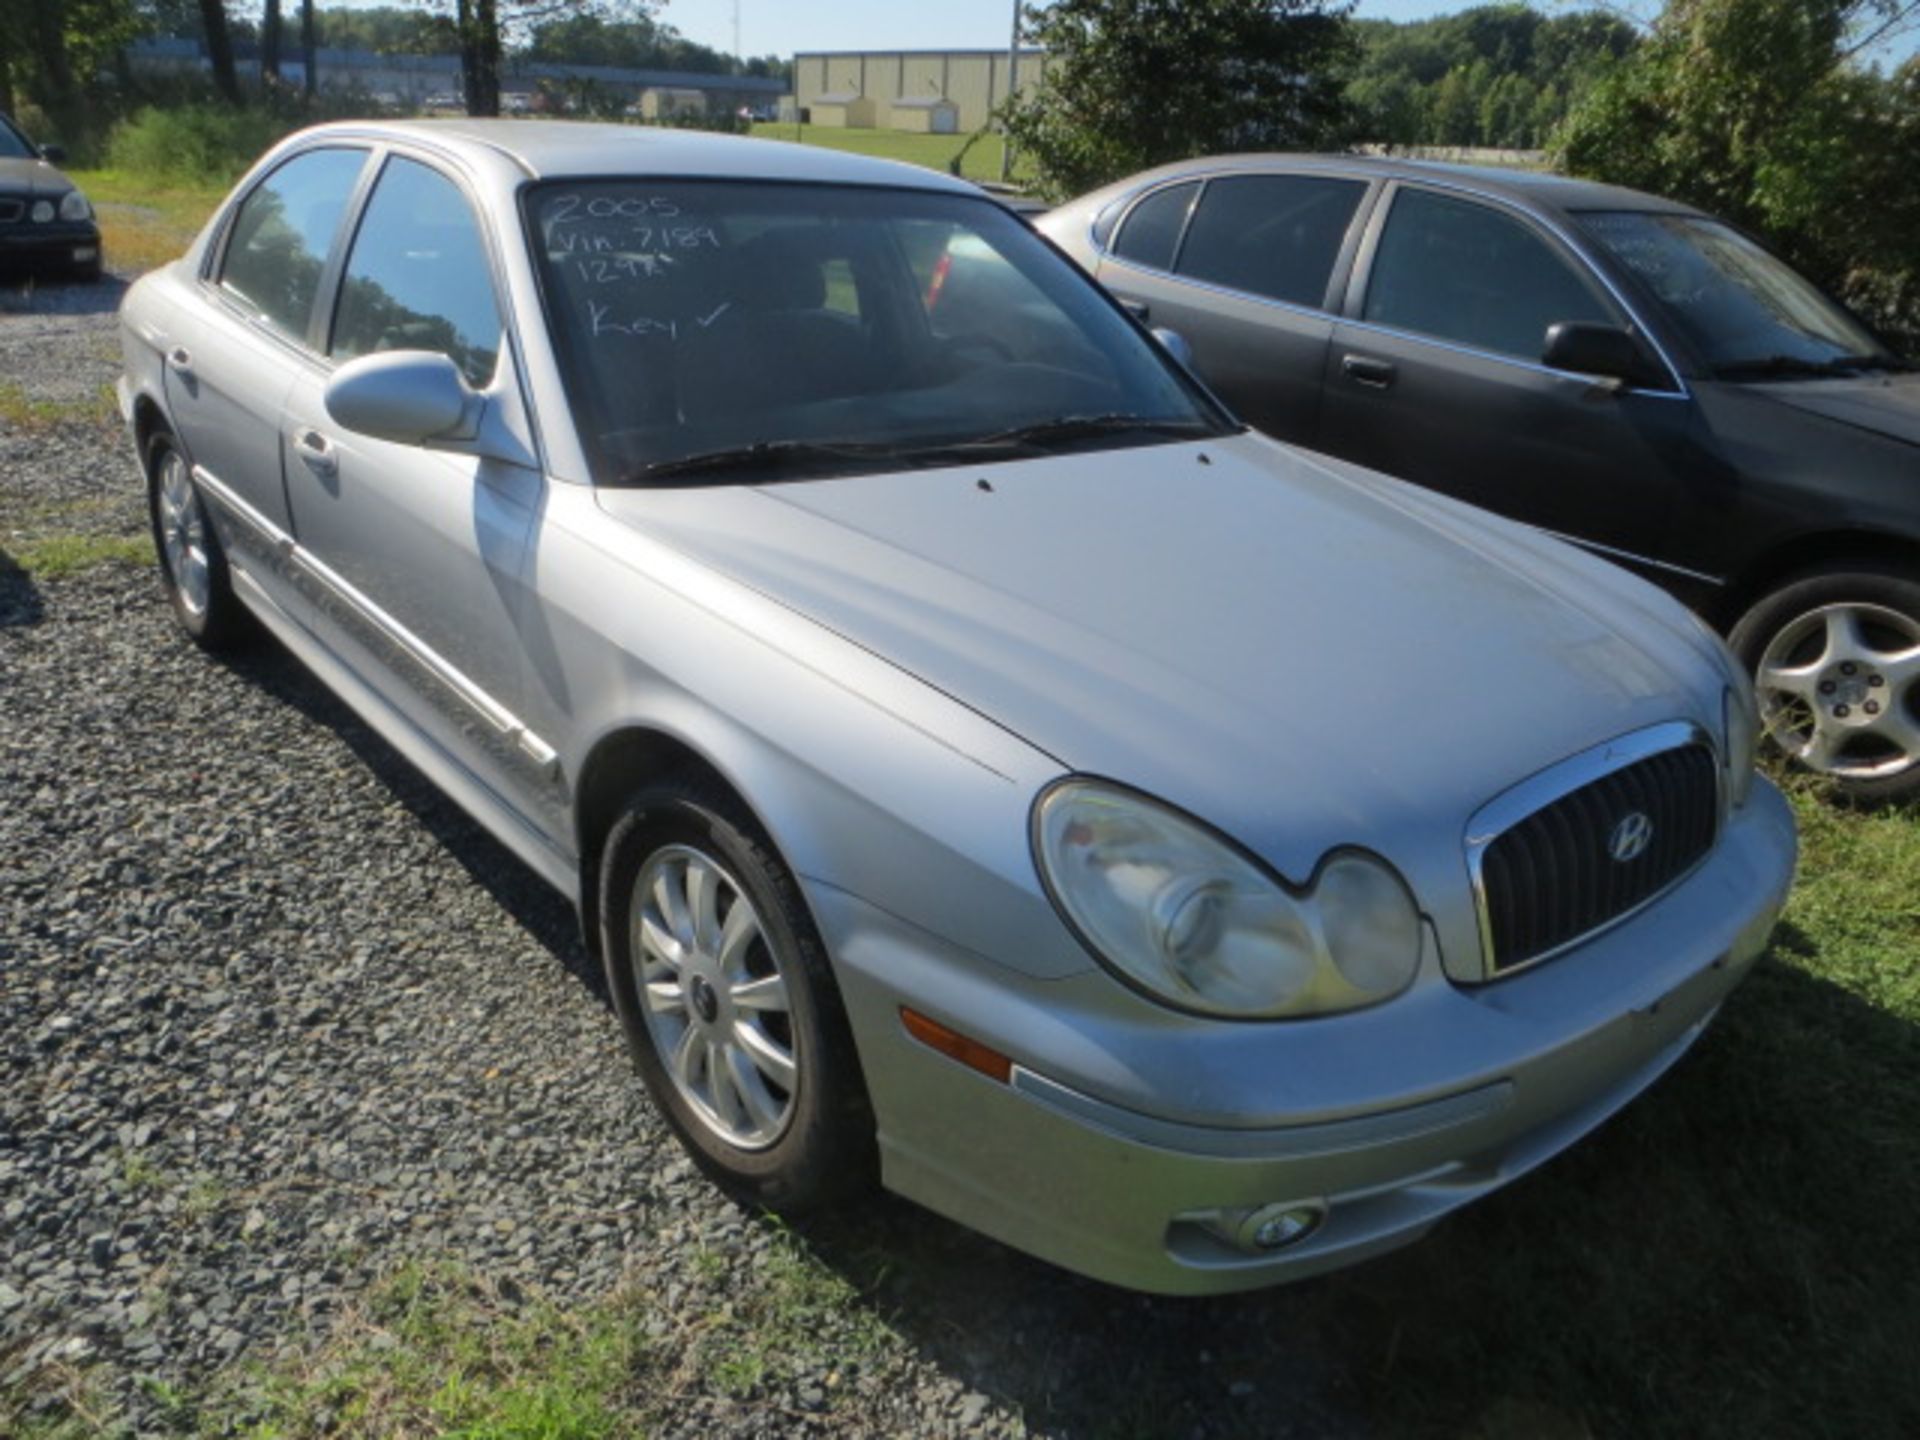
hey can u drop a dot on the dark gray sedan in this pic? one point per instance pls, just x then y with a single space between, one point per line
1620 370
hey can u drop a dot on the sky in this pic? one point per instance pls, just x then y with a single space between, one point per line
780 27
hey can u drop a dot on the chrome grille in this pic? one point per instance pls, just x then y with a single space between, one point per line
11 211
1570 867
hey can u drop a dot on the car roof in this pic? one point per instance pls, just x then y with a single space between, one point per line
551 149
1534 187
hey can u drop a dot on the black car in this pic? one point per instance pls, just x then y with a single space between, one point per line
45 222
1626 372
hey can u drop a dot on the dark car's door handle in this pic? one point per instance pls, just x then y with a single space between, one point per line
1374 374
317 451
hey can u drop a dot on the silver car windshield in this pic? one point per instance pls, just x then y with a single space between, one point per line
1746 311
720 330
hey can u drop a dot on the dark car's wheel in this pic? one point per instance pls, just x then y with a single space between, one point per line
192 565
1835 657
729 1003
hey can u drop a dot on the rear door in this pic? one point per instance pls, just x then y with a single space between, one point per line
1434 375
1244 266
232 358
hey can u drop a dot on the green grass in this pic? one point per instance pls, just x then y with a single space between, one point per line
145 221
433 1351
56 557
20 411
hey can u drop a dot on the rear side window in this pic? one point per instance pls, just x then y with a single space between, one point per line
1275 236
1152 228
1469 274
417 277
282 232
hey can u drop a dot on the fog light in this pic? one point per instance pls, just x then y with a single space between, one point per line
84 253
1274 1227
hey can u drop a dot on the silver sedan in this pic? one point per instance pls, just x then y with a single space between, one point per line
981 763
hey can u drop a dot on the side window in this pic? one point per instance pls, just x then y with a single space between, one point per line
1271 235
417 277
1152 228
1467 273
282 232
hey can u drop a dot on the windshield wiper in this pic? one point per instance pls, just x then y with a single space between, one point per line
1763 367
767 455
1069 428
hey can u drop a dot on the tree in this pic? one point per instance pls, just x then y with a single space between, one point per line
1135 83
1753 109
213 20
270 42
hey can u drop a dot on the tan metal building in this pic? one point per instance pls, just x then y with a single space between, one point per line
902 88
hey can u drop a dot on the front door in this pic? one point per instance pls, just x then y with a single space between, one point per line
413 556
1435 376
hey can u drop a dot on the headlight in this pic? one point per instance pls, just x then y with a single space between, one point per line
74 206
1183 915
42 211
1742 729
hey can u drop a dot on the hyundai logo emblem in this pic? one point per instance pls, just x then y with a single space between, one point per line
1630 837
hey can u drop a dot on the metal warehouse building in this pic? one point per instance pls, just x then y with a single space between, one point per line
903 89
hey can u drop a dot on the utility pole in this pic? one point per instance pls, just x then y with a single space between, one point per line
1013 84
736 33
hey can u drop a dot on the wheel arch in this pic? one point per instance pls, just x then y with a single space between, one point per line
1826 550
149 420
619 763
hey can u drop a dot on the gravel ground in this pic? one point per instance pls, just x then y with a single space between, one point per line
277 1018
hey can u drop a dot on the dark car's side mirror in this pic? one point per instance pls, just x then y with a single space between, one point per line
1603 350
54 154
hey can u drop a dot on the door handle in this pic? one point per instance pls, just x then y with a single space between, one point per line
181 361
1374 374
319 453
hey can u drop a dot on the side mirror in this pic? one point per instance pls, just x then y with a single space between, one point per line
1175 344
411 397
1603 350
54 154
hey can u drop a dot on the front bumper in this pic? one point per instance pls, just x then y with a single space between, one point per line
68 243
1393 1117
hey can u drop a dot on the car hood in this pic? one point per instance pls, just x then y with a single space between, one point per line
1300 652
1882 404
31 177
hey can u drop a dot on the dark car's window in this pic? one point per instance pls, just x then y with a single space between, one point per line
281 234
417 276
1271 235
1152 228
13 145
1741 306
871 328
1467 273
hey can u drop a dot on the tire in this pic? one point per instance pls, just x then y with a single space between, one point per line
193 567
1835 656
713 1045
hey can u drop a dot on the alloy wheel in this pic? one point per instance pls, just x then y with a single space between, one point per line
1839 690
714 997
183 535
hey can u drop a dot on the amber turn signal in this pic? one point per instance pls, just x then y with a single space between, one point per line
956 1046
